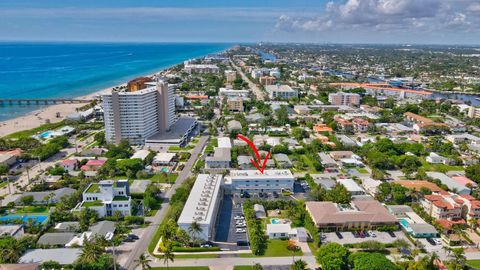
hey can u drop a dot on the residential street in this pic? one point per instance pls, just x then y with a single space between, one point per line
254 87
146 237
227 263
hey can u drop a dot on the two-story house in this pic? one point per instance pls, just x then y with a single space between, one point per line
107 196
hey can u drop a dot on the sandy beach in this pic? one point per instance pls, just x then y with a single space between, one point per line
39 117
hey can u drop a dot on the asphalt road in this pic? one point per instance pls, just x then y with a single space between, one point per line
256 90
144 241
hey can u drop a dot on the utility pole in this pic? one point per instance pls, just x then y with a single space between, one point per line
113 253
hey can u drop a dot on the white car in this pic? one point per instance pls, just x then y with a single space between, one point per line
372 234
241 230
437 241
241 225
239 218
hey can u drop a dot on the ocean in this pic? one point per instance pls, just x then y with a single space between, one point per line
66 70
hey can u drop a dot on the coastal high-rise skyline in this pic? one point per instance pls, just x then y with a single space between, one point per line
136 115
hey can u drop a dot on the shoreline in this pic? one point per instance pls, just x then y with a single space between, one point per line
40 117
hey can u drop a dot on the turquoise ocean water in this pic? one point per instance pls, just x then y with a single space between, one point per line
47 70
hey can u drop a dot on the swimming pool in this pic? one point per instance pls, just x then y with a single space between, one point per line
45 135
405 224
275 221
34 218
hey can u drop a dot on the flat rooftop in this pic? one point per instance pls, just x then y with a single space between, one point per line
177 131
200 202
255 174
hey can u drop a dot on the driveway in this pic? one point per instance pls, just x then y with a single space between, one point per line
349 238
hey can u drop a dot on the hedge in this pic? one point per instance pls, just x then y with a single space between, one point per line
195 249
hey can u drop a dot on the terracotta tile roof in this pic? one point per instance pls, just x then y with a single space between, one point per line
447 224
418 184
370 211
322 128
440 202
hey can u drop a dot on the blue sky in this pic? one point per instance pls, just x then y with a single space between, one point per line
342 21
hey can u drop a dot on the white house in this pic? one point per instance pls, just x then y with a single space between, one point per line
107 197
281 231
435 158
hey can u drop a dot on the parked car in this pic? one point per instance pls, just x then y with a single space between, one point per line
239 217
339 235
372 234
240 230
392 234
275 194
438 241
431 241
133 236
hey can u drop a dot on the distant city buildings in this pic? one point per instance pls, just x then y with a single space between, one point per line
201 68
281 91
341 98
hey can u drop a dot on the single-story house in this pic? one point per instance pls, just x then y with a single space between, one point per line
280 231
55 239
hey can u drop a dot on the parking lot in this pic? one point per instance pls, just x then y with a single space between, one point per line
226 229
349 238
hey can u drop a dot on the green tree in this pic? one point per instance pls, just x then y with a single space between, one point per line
332 256
371 261
299 265
194 230
166 247
51 265
257 266
91 252
27 200
143 261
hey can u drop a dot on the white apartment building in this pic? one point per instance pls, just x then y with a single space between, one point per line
220 160
106 197
253 181
137 115
281 91
231 93
201 68
202 205
341 98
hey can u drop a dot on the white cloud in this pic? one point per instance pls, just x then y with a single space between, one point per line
388 15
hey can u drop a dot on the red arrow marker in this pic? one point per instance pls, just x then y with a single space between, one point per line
259 160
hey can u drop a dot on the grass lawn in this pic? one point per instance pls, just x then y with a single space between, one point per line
362 170
275 248
242 267
439 167
474 263
2 184
176 148
32 210
312 247
182 268
158 178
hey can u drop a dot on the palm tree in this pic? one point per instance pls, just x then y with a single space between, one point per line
292 246
458 259
299 265
166 248
143 261
194 230
91 252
